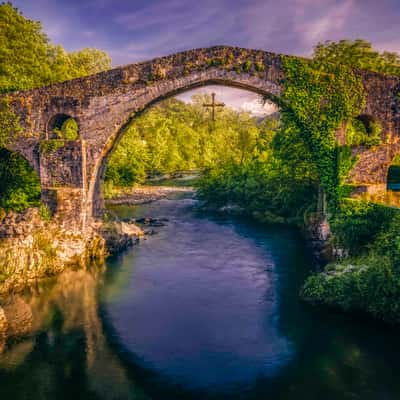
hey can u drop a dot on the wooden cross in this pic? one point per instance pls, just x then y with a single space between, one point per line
213 106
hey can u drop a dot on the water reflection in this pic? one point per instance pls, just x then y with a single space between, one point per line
55 338
206 309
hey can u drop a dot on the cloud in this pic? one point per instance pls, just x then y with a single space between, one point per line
257 108
317 21
138 30
238 99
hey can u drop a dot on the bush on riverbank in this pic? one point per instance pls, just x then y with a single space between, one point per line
357 224
369 280
368 284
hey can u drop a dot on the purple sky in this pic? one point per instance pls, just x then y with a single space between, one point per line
138 30
135 30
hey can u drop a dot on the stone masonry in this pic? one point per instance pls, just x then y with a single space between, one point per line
105 103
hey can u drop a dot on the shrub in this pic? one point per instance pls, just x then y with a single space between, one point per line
357 224
368 284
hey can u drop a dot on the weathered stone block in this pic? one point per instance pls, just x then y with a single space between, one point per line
68 205
62 163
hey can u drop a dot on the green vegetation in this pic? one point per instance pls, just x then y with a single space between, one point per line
19 184
357 133
302 164
319 97
29 60
368 280
358 54
175 136
9 124
275 181
69 130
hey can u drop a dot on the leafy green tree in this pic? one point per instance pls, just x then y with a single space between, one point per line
357 54
29 60
19 184
23 51
176 136
89 61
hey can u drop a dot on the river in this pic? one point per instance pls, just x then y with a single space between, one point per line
207 308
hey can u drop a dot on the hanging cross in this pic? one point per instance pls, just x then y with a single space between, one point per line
213 106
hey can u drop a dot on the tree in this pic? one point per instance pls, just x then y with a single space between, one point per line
29 60
89 61
357 54
24 57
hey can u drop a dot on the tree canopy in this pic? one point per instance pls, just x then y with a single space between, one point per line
357 54
178 136
29 60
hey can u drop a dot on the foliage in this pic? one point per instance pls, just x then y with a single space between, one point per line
357 134
318 97
370 284
29 60
51 145
247 65
277 182
19 184
345 162
177 136
69 130
357 54
388 240
358 223
369 280
45 212
9 124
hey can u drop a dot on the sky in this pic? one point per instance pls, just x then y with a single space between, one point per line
240 100
138 30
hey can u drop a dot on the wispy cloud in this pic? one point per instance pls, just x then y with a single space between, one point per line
141 29
316 20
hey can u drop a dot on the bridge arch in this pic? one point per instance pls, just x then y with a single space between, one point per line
270 93
368 121
60 124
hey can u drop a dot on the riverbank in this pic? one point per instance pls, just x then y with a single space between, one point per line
366 279
33 246
145 194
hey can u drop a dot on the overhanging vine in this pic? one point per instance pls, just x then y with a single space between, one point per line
319 98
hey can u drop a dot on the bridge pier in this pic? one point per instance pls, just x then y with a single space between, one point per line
68 206
63 180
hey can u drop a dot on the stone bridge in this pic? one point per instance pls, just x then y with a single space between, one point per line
105 104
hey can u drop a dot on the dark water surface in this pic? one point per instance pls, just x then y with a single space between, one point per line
206 309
